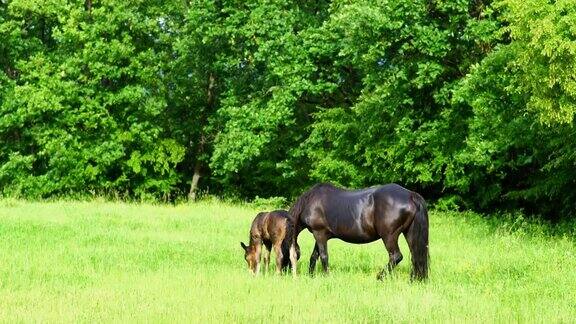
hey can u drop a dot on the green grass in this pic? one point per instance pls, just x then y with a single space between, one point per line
100 261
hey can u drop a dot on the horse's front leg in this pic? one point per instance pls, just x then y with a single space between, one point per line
313 259
322 243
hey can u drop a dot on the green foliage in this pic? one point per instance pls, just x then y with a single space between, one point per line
468 102
545 55
83 114
519 147
270 203
266 72
395 67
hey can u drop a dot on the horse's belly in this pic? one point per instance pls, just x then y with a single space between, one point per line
357 239
355 234
353 230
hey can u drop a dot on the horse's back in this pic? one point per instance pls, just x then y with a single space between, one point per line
355 200
346 214
363 215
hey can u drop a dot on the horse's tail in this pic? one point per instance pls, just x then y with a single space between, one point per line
418 239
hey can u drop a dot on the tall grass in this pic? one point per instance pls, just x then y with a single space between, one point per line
100 261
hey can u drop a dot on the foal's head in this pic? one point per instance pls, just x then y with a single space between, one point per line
250 256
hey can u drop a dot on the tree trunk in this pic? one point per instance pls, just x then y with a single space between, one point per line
200 150
195 178
88 6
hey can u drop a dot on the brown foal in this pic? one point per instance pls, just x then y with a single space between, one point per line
273 230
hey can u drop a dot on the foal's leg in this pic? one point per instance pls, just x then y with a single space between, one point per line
293 259
258 247
279 255
313 258
322 243
267 257
394 255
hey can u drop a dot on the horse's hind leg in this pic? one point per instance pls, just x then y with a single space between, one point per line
313 259
394 255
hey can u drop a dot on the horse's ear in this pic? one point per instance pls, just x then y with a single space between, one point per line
243 246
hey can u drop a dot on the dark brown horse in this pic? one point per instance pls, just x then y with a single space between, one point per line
363 216
274 230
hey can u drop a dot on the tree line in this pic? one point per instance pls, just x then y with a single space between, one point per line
470 103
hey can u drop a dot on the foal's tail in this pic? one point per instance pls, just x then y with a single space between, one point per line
418 240
290 248
287 244
288 237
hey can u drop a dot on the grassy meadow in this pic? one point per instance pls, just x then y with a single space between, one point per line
116 262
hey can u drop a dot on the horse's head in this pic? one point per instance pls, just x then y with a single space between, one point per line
250 256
